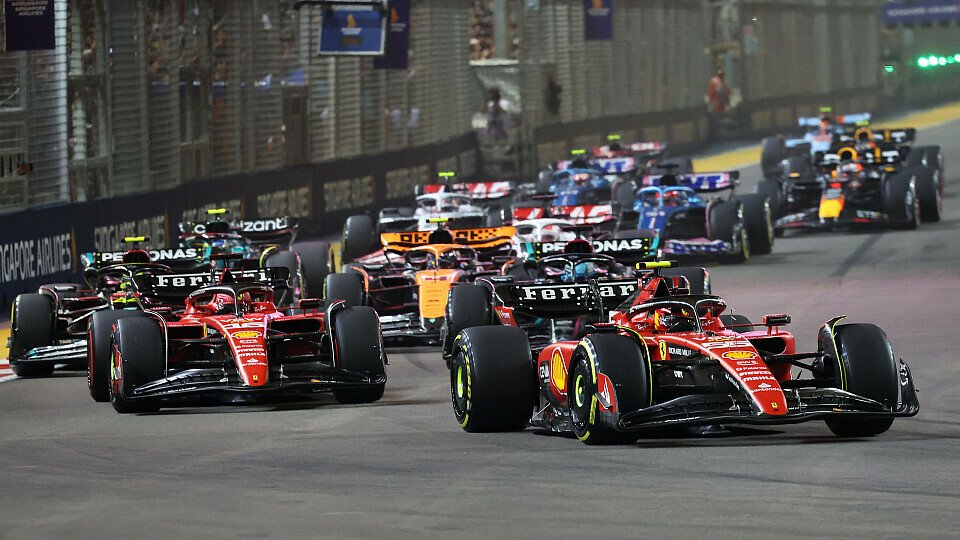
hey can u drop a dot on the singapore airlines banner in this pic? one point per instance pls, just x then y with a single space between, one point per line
598 20
398 37
29 25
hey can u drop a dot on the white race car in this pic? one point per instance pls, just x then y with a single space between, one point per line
457 208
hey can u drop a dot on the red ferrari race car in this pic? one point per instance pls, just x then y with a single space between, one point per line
669 358
232 341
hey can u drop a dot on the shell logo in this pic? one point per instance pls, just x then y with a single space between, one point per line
739 355
246 334
559 371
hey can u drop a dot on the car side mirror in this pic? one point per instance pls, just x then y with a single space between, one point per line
779 319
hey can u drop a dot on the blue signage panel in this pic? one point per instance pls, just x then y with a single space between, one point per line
926 11
598 20
352 30
29 25
398 37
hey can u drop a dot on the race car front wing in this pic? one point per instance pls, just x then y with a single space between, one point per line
803 405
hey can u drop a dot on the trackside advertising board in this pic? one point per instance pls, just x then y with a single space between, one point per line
598 20
397 51
353 30
29 25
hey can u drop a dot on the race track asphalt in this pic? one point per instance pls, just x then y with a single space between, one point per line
402 468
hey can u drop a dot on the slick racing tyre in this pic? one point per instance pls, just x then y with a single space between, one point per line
697 277
468 306
359 238
347 286
772 190
137 358
771 154
291 261
867 367
99 350
356 331
726 223
927 156
758 220
929 193
32 325
316 263
493 386
900 201
606 367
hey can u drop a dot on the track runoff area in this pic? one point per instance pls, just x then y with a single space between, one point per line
402 467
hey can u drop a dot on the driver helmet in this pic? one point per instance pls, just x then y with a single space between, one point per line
581 178
650 198
673 319
581 271
673 198
220 304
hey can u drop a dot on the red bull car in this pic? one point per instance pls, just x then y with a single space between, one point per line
668 358
232 341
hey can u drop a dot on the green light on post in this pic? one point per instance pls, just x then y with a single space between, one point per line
888 68
922 63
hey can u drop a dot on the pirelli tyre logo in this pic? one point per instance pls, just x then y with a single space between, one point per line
602 246
547 293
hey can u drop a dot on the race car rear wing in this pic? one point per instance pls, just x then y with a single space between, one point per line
703 182
478 191
623 250
101 259
479 238
843 119
260 231
182 284
895 135
565 300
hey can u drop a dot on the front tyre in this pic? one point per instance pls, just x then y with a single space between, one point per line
866 366
356 332
758 221
33 325
467 307
100 351
619 360
493 386
137 359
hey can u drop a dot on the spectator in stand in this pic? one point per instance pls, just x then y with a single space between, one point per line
496 111
718 93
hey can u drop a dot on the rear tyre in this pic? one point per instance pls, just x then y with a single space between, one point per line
356 331
621 360
697 277
468 306
137 359
929 156
290 261
867 367
493 386
316 264
771 154
726 223
773 192
347 286
900 201
359 238
33 325
99 350
758 220
929 194
494 217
